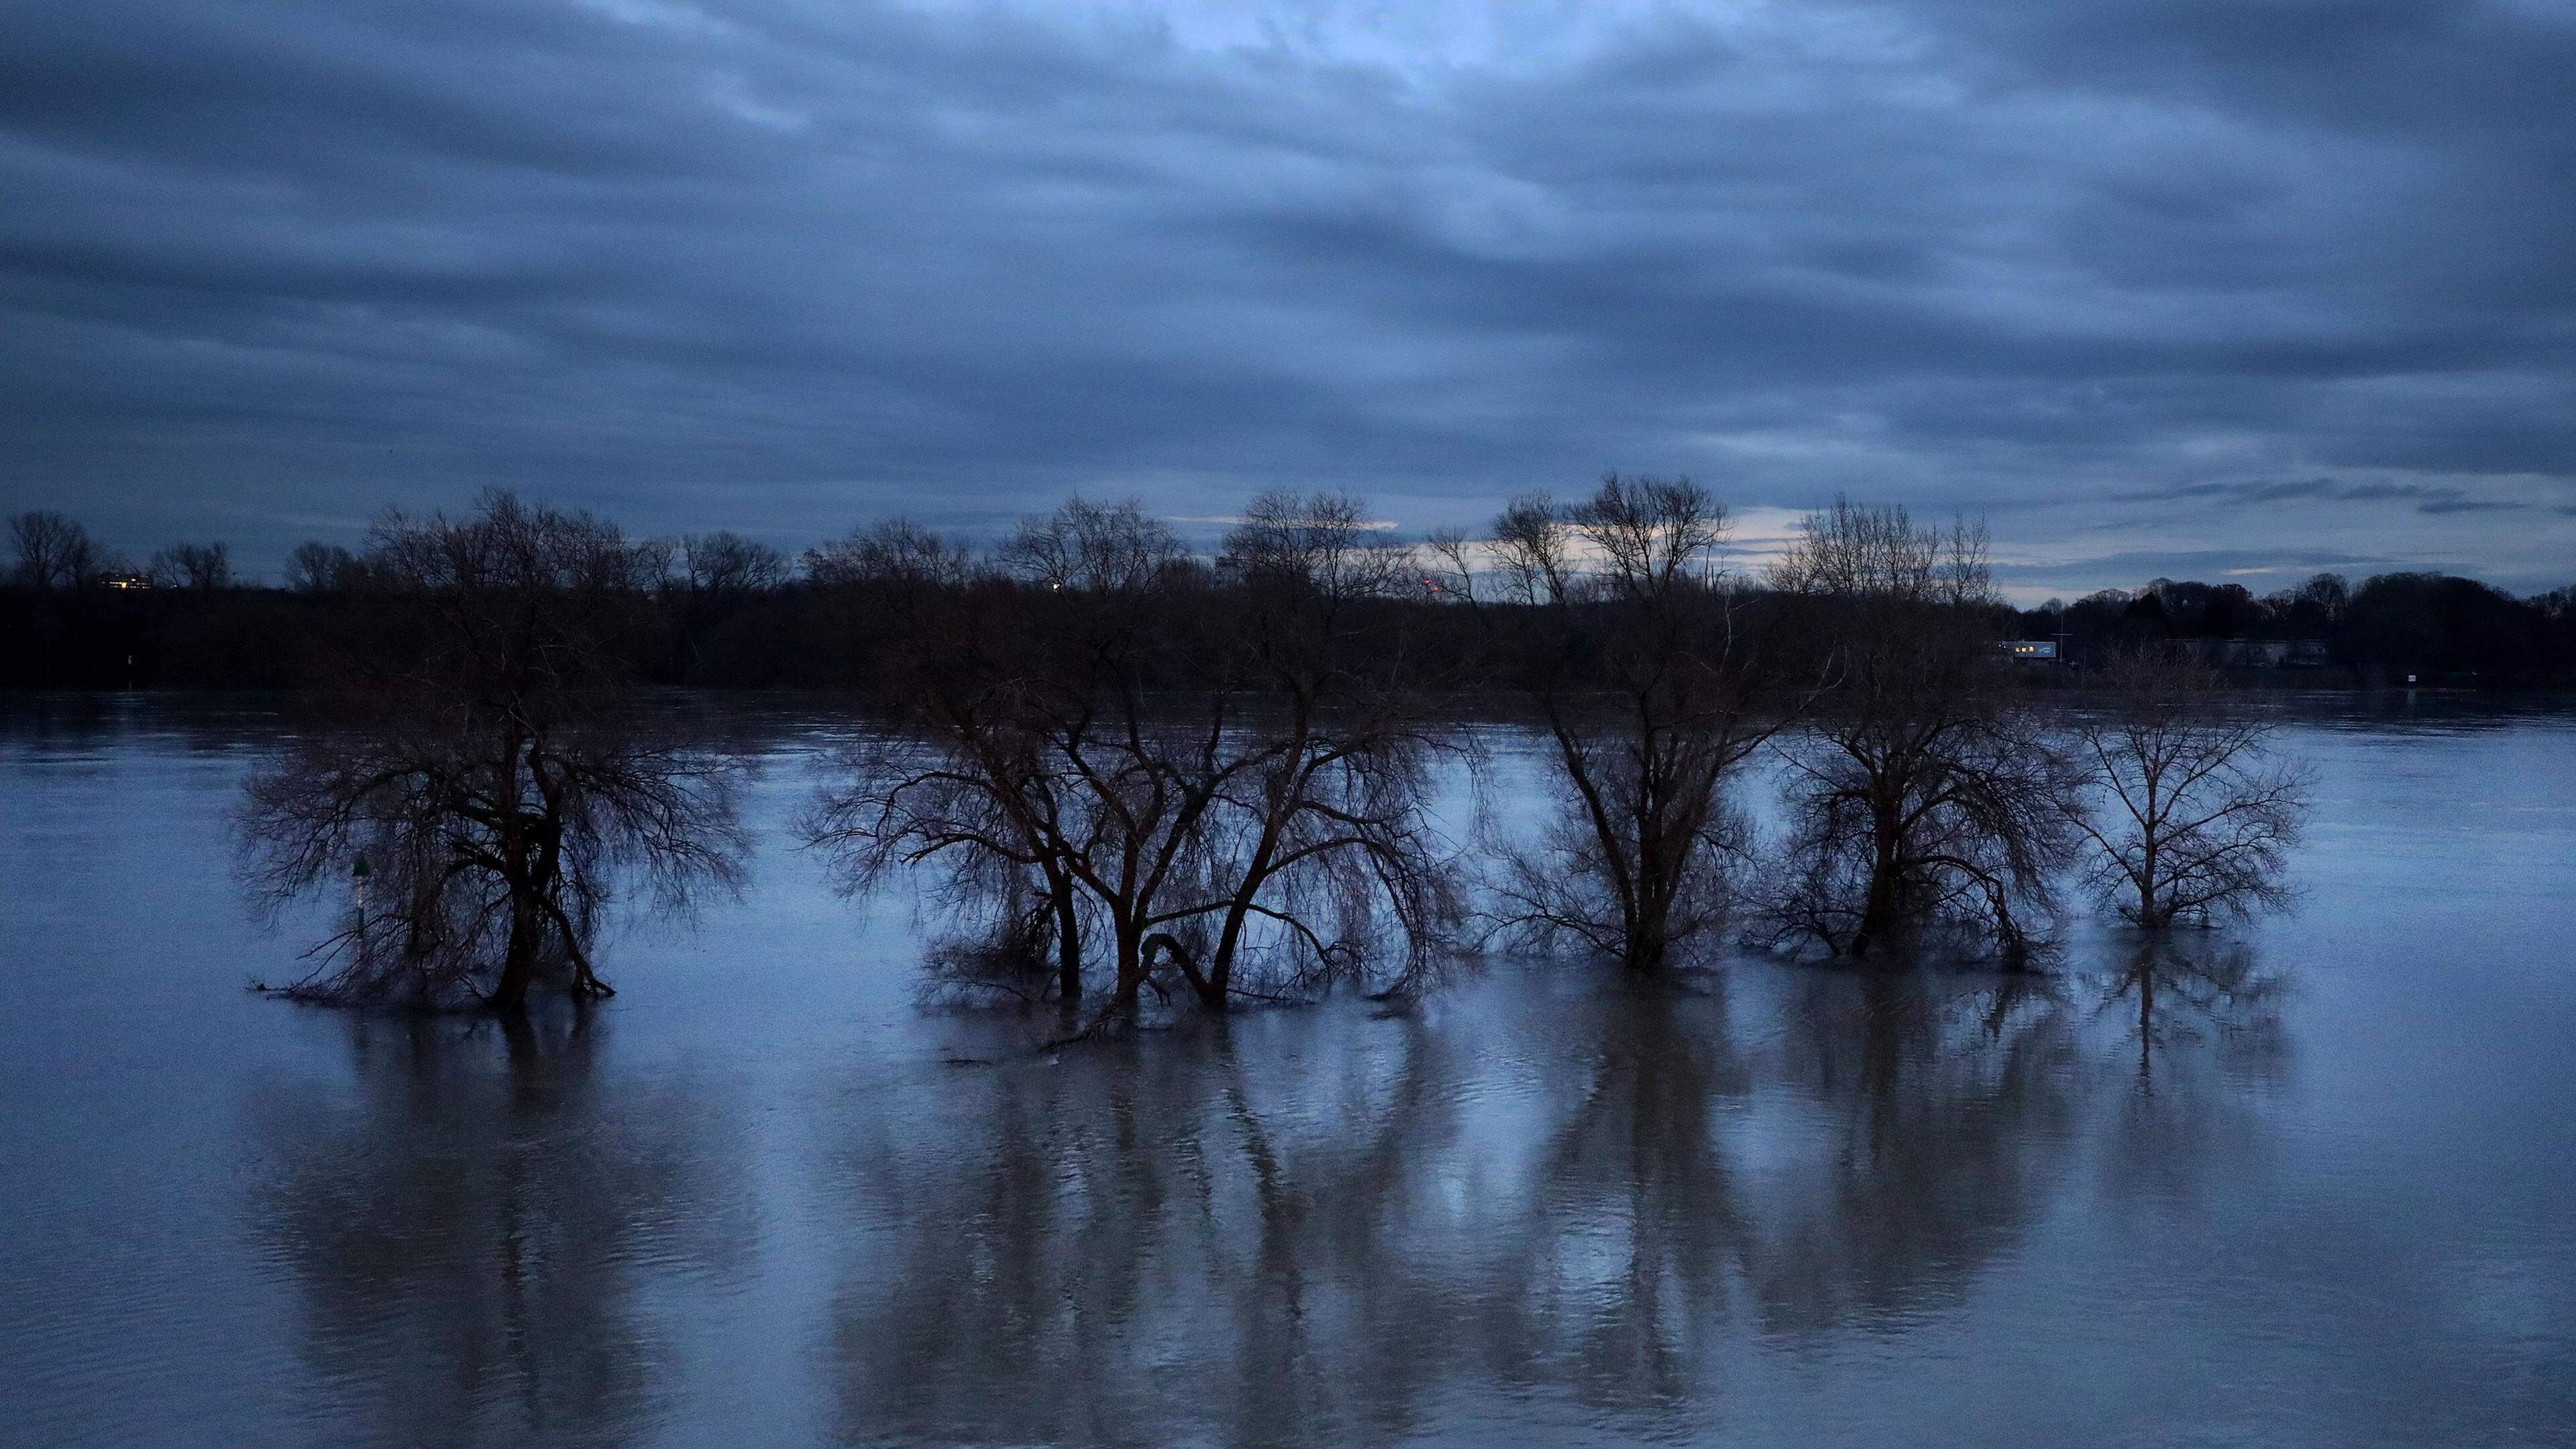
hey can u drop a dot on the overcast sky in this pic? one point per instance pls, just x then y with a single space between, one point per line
2203 288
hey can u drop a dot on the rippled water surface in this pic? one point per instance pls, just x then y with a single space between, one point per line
2310 1184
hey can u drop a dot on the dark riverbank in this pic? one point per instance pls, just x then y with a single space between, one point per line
2435 631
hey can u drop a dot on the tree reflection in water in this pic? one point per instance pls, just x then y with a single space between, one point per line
1634 1218
470 1228
1571 1201
2173 992
1303 1228
1948 1102
2193 1025
1049 1277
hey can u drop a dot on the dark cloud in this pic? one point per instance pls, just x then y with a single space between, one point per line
2261 570
2467 505
2105 266
2426 497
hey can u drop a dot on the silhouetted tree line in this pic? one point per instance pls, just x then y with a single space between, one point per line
1125 774
2440 628
719 610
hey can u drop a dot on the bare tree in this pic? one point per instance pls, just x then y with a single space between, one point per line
892 551
1093 550
970 797
979 795
1195 774
482 762
54 551
2194 814
1239 770
1855 553
316 567
728 565
204 567
1923 796
1323 786
1654 682
710 583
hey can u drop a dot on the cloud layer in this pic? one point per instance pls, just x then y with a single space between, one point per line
2266 280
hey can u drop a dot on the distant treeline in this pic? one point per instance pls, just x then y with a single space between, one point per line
722 611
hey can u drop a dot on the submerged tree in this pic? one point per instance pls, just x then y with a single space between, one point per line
2195 814
1108 747
1924 797
1654 679
1319 774
969 785
479 765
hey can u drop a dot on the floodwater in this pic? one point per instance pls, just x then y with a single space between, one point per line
2314 1183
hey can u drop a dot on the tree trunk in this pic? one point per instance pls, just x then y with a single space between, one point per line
1068 940
1210 994
1649 930
519 962
1645 954
1131 968
1879 910
1256 873
1220 975
1649 919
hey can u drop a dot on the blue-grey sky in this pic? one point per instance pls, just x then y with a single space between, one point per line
2218 288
